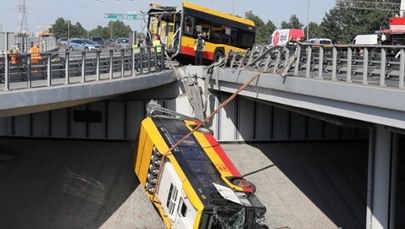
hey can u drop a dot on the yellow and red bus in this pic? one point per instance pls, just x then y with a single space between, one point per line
178 28
195 185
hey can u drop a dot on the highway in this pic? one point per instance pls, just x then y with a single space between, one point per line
50 183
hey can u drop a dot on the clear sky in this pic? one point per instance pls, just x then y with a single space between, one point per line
90 13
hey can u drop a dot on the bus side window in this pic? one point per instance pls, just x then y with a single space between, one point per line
189 25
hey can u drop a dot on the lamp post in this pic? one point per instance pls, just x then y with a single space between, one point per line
68 31
307 19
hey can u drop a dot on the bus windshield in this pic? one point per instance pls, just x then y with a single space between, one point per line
178 28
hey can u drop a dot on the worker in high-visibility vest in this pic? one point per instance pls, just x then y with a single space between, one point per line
156 43
13 55
199 49
35 54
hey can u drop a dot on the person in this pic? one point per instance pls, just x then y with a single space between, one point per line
13 55
156 43
35 54
199 48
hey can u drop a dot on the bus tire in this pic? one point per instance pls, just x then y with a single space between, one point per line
244 184
218 55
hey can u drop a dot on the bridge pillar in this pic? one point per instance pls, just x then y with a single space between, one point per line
381 187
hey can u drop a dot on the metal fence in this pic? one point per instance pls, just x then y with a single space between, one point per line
64 67
368 65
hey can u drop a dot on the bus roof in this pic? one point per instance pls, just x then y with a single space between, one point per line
218 13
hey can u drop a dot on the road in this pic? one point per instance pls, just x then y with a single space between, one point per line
90 184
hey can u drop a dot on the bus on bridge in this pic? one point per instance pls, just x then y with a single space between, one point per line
178 28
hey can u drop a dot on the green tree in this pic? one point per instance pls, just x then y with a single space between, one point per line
59 28
293 23
263 30
118 28
314 31
343 24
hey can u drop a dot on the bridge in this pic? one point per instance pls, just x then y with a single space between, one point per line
298 93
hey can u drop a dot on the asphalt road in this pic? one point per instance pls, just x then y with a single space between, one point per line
91 184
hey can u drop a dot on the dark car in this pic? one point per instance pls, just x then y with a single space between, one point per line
99 40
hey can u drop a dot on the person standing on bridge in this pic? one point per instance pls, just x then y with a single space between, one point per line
199 48
13 55
35 54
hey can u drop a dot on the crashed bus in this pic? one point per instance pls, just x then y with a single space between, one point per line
178 27
194 185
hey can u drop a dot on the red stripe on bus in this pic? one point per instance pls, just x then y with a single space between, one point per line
225 159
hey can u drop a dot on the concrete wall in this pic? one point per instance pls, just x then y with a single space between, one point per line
241 120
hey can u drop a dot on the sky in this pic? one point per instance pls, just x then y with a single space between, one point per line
90 13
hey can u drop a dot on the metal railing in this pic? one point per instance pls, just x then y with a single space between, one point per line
56 68
377 65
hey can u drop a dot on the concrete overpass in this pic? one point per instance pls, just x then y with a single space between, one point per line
301 96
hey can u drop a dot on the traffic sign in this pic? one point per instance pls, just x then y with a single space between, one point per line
129 16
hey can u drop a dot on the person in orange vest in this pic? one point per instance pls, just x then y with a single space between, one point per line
13 55
35 54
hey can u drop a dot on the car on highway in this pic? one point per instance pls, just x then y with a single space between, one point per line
99 40
122 42
83 44
63 41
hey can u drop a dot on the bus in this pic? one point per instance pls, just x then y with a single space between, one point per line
178 28
195 185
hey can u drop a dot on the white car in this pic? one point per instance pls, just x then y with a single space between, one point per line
83 44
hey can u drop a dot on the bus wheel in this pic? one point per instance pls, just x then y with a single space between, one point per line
244 184
218 55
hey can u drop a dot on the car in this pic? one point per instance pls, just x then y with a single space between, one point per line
83 44
63 41
320 41
99 40
122 42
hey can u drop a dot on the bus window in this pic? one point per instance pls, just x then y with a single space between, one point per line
247 40
189 25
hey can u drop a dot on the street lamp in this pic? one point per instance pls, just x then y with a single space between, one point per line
308 20
68 25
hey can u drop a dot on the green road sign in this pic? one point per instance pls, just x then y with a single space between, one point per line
120 16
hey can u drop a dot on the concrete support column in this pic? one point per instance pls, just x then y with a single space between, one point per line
381 178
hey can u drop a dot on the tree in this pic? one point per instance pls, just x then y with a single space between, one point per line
263 31
294 23
343 24
314 30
